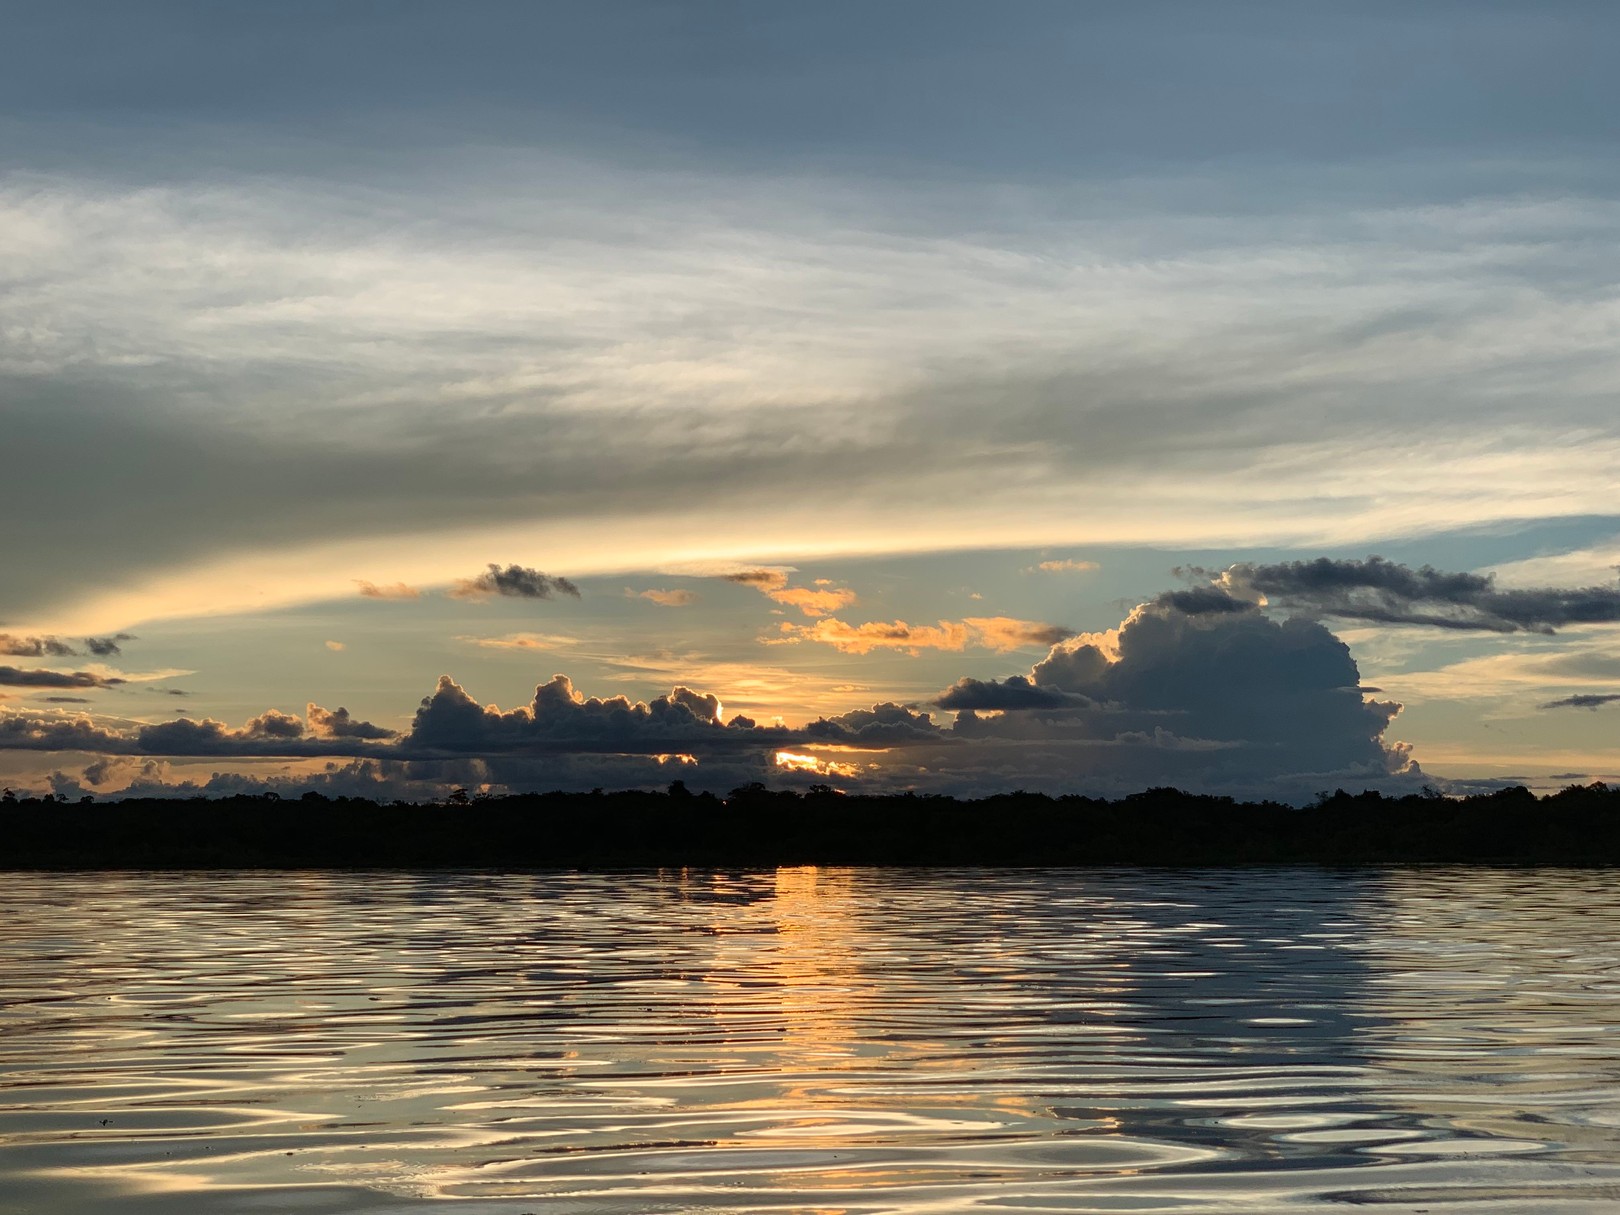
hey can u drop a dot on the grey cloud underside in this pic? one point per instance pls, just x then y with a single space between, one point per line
1386 592
1583 700
154 484
1014 692
21 677
55 647
515 582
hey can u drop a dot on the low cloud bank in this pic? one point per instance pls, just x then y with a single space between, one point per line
1198 688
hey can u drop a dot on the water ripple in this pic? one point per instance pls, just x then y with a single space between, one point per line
810 1040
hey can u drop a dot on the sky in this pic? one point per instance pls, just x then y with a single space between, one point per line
938 396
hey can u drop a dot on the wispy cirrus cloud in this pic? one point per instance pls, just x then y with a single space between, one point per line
1184 350
999 633
391 590
678 597
1063 565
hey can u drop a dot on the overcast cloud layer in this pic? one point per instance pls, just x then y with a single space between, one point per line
308 311
599 285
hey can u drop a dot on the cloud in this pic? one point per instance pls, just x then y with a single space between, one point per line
1583 700
672 598
816 600
1219 701
561 718
17 677
1222 701
337 647
763 579
1064 566
271 733
1014 692
523 641
1004 633
66 700
1387 592
392 590
514 581
882 725
813 601
273 724
999 633
35 647
27 731
337 723
55 647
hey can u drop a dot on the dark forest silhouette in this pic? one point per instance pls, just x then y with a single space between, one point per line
755 826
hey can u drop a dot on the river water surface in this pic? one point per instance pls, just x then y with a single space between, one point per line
817 1040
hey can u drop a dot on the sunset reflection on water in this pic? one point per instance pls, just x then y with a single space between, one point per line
809 1040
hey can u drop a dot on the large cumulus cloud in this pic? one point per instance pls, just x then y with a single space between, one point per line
560 718
1226 699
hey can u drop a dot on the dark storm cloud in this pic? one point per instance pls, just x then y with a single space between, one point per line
1583 700
271 733
1221 699
559 718
515 581
24 731
1387 592
1202 600
17 677
882 725
337 723
1014 692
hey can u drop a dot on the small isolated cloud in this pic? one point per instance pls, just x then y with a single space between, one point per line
1066 565
67 700
107 647
764 579
18 677
391 590
673 598
1386 592
514 582
999 633
337 647
814 600
819 599
1584 700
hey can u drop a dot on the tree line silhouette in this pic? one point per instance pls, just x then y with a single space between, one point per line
756 826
